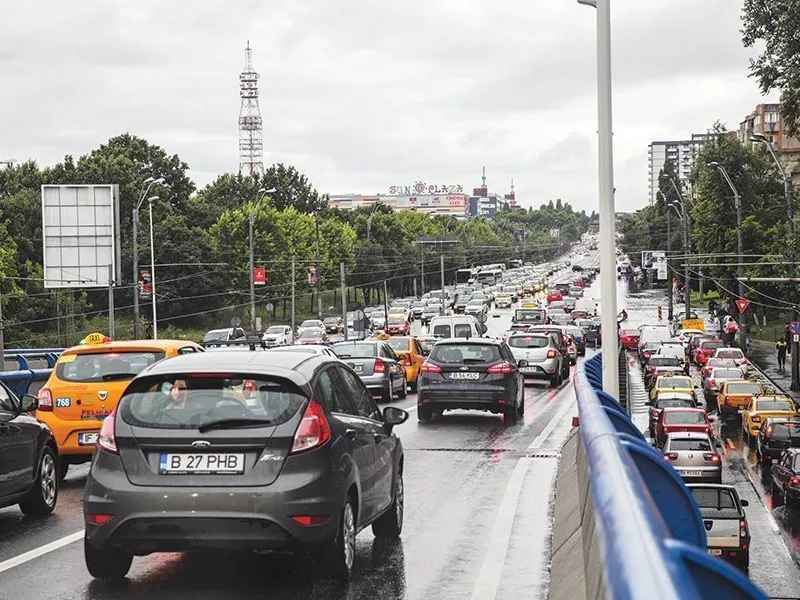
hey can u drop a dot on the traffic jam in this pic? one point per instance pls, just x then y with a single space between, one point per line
144 459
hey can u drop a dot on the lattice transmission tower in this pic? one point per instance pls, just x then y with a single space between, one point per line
251 148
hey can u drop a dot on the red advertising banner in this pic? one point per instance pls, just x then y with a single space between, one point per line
259 276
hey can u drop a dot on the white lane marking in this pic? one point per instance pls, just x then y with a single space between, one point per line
540 439
495 559
730 443
40 551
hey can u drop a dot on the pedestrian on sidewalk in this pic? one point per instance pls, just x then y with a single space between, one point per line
781 346
712 307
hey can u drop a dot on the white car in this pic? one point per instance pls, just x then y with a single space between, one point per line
502 301
736 354
309 324
278 335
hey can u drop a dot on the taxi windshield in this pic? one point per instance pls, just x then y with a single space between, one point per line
675 383
104 366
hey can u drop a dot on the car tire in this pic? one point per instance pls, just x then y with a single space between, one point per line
413 386
44 495
390 524
106 563
509 416
403 390
424 414
777 499
521 410
337 557
63 467
554 380
388 393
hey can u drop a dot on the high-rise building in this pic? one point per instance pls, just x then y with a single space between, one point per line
766 120
682 153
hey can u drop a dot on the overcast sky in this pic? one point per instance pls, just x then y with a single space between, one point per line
361 95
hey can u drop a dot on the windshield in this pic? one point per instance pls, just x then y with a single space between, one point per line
684 418
102 366
785 430
216 335
398 344
311 334
713 498
701 445
528 341
362 350
188 402
274 330
774 405
334 320
744 388
675 383
314 323
726 374
665 361
711 345
674 403
465 353
733 353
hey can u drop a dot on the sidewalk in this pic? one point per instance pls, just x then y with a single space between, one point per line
764 356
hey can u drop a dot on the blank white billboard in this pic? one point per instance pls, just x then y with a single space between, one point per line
80 227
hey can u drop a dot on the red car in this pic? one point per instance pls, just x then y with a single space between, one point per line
675 420
554 296
705 350
397 326
629 338
579 282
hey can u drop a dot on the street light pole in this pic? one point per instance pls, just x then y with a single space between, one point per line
737 200
670 310
605 150
146 185
153 267
319 269
250 221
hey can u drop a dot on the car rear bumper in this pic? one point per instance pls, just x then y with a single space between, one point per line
491 398
67 433
700 474
174 519
737 555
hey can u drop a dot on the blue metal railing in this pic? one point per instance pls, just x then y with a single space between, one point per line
652 536
21 380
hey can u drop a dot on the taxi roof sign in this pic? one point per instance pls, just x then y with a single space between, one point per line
94 339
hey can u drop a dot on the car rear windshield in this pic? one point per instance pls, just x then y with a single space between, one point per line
274 330
217 335
309 324
665 361
734 353
311 333
713 498
684 418
712 345
675 383
782 405
744 388
348 350
465 353
104 366
528 341
701 445
675 403
726 373
189 401
398 344
785 430
397 320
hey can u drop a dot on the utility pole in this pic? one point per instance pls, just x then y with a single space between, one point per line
2 340
112 333
344 298
670 288
441 261
153 269
421 266
294 287
250 220
385 305
319 270
137 330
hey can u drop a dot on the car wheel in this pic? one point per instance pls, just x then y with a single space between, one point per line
403 389
43 496
388 394
337 557
63 467
390 523
413 386
554 380
522 408
509 415
424 414
106 563
777 499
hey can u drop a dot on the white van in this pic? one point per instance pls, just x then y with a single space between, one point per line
455 326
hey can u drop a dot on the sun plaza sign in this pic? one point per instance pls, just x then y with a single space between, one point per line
420 188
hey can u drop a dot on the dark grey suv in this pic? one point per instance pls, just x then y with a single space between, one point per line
243 450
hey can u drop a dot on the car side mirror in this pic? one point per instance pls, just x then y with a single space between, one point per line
744 503
394 416
28 403
522 364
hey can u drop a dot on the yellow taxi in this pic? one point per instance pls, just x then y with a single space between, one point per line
673 384
86 384
735 395
530 303
761 407
409 351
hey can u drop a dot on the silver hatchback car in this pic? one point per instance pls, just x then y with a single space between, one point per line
694 456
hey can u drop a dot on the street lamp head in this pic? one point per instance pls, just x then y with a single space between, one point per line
269 191
714 164
148 180
159 180
152 198
592 3
758 137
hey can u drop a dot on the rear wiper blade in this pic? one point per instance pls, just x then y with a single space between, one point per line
232 424
113 376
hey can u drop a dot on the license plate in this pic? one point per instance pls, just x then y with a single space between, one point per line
358 368
467 375
201 464
87 439
691 473
529 369
715 551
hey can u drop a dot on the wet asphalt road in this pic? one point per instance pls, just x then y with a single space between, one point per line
775 545
477 524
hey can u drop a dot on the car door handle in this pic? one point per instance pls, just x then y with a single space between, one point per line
350 434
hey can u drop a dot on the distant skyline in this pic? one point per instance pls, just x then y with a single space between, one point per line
360 96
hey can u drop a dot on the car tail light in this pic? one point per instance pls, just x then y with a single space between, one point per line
106 440
743 532
794 480
96 519
671 456
769 431
551 354
430 368
711 457
45 399
502 368
380 366
309 520
407 360
755 418
649 369
313 430
647 355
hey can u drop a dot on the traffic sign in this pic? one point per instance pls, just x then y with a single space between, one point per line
794 327
742 304
259 276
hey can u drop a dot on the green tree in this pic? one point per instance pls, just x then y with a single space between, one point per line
292 188
774 23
